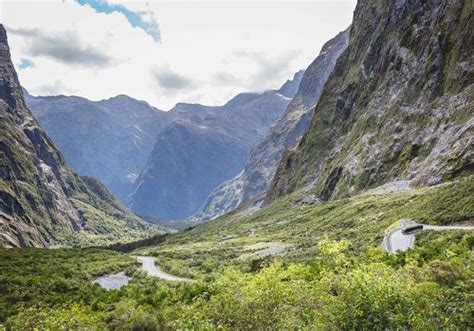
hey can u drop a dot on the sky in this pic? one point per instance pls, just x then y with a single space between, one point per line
165 52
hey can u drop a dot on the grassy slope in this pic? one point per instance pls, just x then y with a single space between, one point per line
236 239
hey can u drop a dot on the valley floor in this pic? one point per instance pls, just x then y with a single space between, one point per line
290 265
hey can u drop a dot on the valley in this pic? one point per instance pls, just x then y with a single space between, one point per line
294 255
343 199
134 148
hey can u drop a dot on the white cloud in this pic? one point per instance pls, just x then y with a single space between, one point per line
170 80
65 47
209 51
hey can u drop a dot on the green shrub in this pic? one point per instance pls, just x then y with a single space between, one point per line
70 317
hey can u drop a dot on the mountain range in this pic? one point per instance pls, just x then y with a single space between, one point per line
162 164
109 139
377 106
201 148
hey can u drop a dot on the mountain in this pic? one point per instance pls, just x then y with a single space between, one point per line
291 86
201 148
262 162
398 105
42 201
109 139
113 140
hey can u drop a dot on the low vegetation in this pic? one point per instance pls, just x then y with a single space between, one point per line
308 267
425 288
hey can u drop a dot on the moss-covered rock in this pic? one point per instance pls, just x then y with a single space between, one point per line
398 105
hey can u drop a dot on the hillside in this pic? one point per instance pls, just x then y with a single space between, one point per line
201 148
398 104
263 159
42 201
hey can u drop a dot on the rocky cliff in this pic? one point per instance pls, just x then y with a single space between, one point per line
398 106
201 148
263 160
42 201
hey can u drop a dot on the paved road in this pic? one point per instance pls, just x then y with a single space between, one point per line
447 227
148 265
115 281
396 241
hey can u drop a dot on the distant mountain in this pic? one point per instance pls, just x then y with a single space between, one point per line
201 148
42 201
398 105
263 160
109 139
117 139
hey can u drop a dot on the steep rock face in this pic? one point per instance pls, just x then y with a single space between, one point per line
263 160
42 202
201 148
109 139
398 105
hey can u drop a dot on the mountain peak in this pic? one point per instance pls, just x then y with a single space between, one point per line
121 97
290 87
10 90
3 35
241 99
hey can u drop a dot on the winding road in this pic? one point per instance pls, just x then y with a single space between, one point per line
116 281
395 241
148 265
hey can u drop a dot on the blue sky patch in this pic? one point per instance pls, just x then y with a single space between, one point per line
25 64
134 18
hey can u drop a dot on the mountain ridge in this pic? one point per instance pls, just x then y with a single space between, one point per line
108 139
113 139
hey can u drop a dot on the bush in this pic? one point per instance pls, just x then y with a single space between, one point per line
71 317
